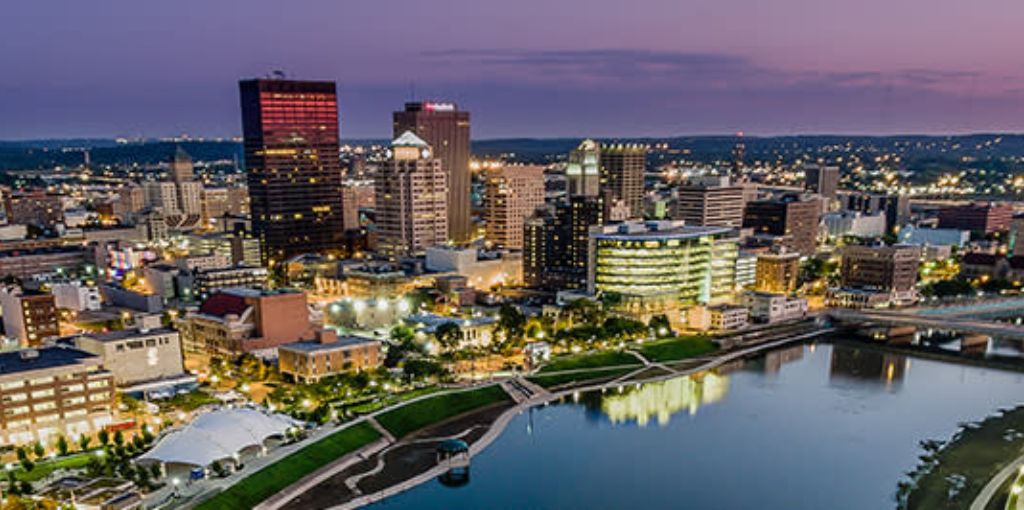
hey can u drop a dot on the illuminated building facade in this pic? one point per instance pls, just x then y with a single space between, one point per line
777 272
513 193
292 165
412 199
555 243
659 266
622 175
583 171
53 391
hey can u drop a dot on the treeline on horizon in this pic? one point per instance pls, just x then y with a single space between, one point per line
924 152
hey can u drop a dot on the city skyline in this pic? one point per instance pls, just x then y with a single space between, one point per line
648 69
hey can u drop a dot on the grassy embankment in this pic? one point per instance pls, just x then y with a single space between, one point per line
276 477
417 415
607 365
950 476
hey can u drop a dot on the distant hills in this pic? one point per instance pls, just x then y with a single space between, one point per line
995 151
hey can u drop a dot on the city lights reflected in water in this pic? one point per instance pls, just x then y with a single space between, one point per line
661 400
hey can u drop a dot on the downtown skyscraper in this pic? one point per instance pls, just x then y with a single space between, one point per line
292 166
446 129
411 199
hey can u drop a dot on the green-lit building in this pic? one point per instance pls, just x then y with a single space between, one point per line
660 266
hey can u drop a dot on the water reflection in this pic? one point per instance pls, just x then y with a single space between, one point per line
851 363
660 400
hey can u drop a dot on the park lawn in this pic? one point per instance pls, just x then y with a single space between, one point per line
591 360
676 349
377 404
276 477
43 468
412 417
977 452
597 374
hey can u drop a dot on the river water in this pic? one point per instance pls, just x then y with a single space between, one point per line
816 426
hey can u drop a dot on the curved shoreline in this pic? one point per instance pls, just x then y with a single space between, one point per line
499 425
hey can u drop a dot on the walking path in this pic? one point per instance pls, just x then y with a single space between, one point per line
993 485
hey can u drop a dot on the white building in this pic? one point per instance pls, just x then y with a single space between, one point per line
163 195
728 317
483 271
190 197
137 355
76 296
768 308
847 223
934 236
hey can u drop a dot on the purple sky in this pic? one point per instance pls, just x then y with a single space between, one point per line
522 67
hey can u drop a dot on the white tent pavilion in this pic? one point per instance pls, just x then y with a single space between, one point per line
218 435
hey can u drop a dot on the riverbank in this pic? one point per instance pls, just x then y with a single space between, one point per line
647 372
384 466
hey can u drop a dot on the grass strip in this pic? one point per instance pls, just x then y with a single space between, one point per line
276 477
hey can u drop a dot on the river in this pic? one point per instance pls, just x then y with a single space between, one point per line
807 427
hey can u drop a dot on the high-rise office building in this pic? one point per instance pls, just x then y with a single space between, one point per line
823 180
711 201
180 168
446 129
555 243
583 171
739 156
412 199
792 218
349 206
512 194
622 175
293 172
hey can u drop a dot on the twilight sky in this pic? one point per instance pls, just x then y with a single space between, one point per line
534 68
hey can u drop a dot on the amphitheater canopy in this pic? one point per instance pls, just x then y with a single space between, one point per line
218 435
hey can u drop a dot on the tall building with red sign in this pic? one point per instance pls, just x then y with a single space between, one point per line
446 129
293 170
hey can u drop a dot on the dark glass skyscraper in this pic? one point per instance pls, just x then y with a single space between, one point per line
446 129
292 166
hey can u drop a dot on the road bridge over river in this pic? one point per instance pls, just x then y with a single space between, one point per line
964 317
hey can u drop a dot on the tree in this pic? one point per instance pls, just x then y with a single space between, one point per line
448 335
38 450
62 445
83 442
104 437
402 334
118 438
658 322
512 322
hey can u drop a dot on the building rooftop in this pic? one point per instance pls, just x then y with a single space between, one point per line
409 139
123 334
430 322
27 360
658 230
340 343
